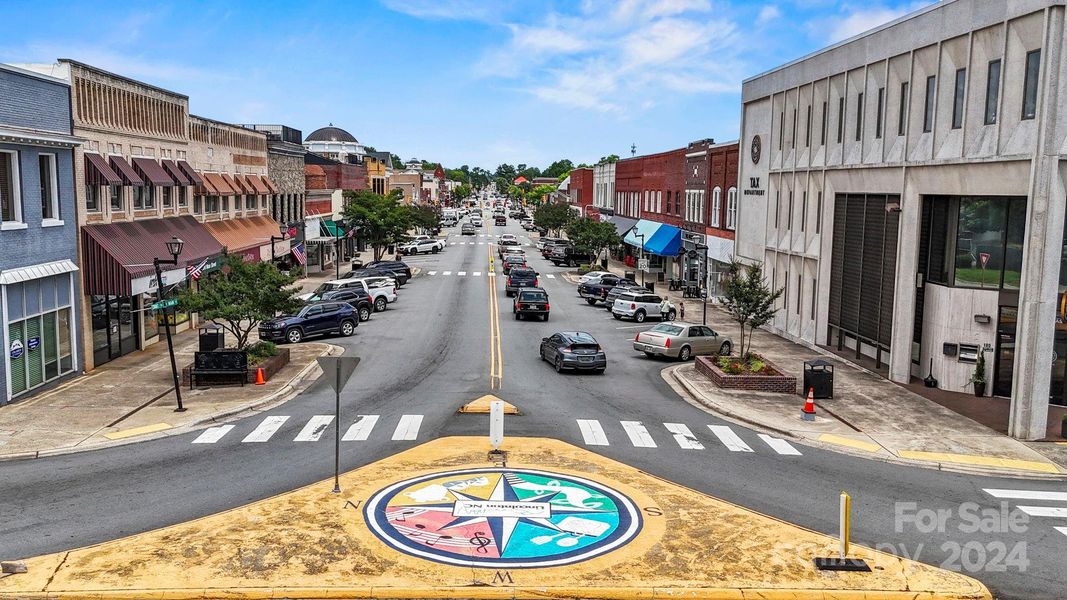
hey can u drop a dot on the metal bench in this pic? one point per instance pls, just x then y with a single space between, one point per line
219 363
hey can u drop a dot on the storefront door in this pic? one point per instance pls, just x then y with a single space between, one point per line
115 326
1005 351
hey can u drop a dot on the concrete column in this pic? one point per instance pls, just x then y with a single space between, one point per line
904 286
1035 334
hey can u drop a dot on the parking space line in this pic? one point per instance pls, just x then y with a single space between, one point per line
592 432
1028 495
729 439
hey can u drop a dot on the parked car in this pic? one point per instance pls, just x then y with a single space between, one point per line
500 220
330 286
568 256
528 224
595 291
512 260
359 298
433 246
639 306
381 289
543 241
682 340
448 222
530 301
320 318
520 277
468 229
622 288
400 277
573 350
551 247
593 276
395 266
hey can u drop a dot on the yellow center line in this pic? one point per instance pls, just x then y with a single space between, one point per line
496 360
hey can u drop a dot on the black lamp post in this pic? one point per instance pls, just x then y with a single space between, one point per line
642 257
174 246
703 280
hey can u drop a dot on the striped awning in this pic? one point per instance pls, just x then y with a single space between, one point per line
219 184
125 171
151 171
243 184
257 183
270 184
190 172
175 171
231 183
97 171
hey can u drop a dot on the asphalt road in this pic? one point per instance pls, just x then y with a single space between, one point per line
429 353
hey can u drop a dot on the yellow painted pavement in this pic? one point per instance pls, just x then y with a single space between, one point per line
482 405
830 438
984 461
135 431
311 543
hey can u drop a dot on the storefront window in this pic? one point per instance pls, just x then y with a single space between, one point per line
974 241
980 242
39 330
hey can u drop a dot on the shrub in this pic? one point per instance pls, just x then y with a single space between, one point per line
583 269
261 351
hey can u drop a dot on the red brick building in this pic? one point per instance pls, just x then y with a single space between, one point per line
580 190
710 208
651 187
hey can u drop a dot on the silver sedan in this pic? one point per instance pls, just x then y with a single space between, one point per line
682 340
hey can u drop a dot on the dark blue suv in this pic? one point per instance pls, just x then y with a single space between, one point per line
319 318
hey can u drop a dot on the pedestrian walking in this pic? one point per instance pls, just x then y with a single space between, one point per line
665 310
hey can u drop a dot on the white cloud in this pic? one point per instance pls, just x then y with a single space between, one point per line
855 21
463 10
768 13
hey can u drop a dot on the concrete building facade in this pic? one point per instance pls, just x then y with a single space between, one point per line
604 187
906 188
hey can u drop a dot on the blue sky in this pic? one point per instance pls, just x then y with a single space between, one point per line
472 82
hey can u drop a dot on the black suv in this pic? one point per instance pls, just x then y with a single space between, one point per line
595 291
357 297
520 277
320 318
400 277
531 301
391 265
567 255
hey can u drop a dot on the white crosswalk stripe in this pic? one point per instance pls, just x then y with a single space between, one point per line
1059 512
452 244
212 434
481 243
266 429
638 434
314 428
1062 530
432 273
684 436
360 430
408 427
731 440
447 273
550 276
779 445
462 274
592 432
1027 494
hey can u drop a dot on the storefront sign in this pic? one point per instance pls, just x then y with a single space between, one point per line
753 188
146 284
16 349
33 343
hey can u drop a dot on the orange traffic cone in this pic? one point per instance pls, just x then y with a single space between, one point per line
261 381
809 406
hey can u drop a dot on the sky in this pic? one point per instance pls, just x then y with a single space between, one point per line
475 82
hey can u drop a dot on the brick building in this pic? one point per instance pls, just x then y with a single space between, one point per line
650 189
580 191
285 165
709 215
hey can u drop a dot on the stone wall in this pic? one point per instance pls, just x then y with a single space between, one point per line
287 172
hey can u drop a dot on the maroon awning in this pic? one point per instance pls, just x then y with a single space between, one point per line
172 169
149 170
123 168
117 253
190 172
98 173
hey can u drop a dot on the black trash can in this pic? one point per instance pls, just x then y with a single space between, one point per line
212 337
357 264
818 377
650 285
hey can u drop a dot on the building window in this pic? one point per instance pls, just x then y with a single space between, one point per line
777 207
39 318
716 205
878 117
211 205
928 108
136 151
902 115
822 140
226 204
144 197
731 208
781 129
168 197
1033 69
840 119
183 197
992 91
859 116
49 186
116 199
957 98
789 212
813 290
793 137
10 190
659 201
250 202
198 204
818 213
800 284
803 209
92 198
807 130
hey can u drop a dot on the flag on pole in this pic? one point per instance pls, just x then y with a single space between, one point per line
195 272
300 254
351 232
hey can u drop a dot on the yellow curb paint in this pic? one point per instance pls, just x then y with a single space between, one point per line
311 543
482 405
830 438
984 461
128 433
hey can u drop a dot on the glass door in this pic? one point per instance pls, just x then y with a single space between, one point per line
1005 351
1059 366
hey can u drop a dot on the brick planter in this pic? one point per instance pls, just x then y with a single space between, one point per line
776 383
270 366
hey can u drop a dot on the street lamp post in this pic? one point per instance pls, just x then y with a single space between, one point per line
642 257
703 280
174 246
282 229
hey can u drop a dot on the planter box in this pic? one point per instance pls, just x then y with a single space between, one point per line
270 366
776 383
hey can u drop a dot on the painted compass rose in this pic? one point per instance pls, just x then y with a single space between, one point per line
497 517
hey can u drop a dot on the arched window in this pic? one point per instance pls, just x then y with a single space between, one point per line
731 208
716 206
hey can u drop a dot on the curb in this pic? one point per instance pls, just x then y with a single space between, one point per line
276 398
697 398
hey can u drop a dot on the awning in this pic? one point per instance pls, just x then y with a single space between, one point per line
221 187
117 253
37 271
244 185
622 224
656 238
245 236
149 170
125 171
190 172
270 185
331 229
257 183
230 183
97 171
175 172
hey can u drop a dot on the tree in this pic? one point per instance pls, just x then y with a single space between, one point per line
241 296
539 193
382 220
593 236
506 172
457 175
397 163
608 159
553 216
749 299
558 169
424 217
462 191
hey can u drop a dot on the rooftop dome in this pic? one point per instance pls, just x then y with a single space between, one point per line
330 134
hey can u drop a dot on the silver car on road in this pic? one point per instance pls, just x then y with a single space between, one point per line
682 340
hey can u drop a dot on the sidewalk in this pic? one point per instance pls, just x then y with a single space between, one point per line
132 399
869 415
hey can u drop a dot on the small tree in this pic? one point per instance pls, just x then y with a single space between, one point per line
749 299
553 216
593 236
424 217
382 220
240 296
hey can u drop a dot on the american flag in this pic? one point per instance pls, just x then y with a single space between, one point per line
195 272
298 252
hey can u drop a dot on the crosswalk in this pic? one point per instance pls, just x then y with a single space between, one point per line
638 435
1038 503
470 274
407 429
468 243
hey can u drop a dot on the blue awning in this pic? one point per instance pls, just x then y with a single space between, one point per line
658 238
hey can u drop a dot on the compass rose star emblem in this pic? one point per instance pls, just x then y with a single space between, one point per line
503 510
